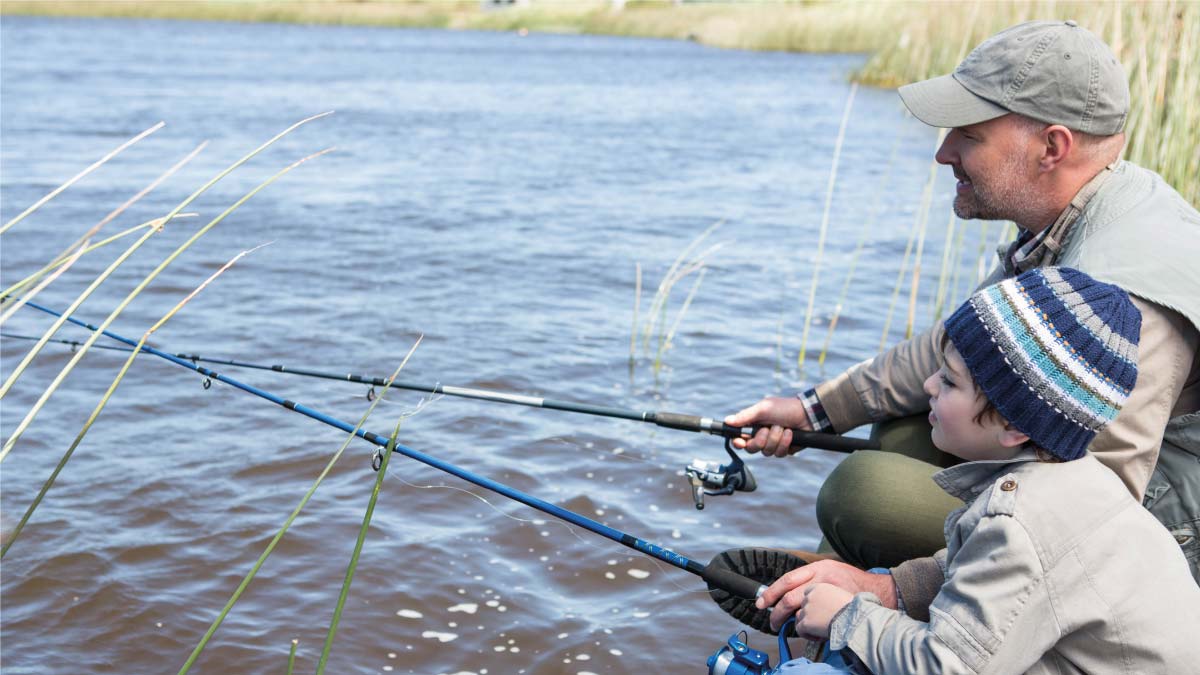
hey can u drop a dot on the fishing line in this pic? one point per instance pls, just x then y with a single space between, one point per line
724 579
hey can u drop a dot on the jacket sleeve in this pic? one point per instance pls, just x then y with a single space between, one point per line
918 582
1129 445
889 385
993 614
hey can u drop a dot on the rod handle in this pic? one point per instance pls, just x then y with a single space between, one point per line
732 582
807 439
678 421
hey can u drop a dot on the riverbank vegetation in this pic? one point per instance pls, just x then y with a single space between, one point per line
907 41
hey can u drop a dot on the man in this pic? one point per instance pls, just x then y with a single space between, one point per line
1036 116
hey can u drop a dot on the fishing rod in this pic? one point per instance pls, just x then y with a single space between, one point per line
706 478
715 577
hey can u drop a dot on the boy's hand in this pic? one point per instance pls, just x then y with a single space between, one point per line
787 593
818 607
777 416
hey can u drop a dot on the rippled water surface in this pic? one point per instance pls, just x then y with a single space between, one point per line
492 193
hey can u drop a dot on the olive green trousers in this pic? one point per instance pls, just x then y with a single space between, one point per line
879 508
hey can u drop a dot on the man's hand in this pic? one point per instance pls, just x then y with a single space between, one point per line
777 417
821 602
787 593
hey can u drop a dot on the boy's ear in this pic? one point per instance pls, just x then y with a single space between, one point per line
1011 438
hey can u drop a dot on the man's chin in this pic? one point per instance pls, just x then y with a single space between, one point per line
967 207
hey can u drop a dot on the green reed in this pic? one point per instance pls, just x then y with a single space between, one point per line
105 399
32 413
245 583
823 230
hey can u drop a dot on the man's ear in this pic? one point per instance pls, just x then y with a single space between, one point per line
1011 438
1057 143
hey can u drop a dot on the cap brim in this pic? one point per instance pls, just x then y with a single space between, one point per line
944 102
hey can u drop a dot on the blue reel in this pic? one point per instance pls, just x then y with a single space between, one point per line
737 658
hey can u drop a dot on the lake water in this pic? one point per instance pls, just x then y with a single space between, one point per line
493 193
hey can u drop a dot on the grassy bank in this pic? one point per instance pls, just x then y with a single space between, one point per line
908 41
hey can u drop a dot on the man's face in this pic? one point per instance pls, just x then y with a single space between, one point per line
995 170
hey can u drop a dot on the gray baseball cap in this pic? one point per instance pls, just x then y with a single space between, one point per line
1053 71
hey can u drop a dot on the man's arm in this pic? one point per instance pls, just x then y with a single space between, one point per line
889 385
1166 349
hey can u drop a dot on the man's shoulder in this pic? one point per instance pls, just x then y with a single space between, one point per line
1135 195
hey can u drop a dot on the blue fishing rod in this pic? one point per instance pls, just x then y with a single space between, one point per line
715 577
706 477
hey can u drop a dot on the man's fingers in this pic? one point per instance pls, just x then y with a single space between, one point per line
746 416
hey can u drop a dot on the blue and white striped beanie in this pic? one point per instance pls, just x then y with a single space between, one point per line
1054 350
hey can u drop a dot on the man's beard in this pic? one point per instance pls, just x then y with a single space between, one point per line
1004 195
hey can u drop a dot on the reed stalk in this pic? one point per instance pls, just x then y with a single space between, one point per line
245 583
665 343
858 249
104 221
87 292
812 290
358 545
46 281
108 395
917 232
7 294
926 204
675 272
637 303
944 273
56 191
163 265
956 266
292 657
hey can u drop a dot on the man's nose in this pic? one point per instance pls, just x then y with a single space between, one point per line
948 153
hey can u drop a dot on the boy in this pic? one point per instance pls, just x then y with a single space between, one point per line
1051 566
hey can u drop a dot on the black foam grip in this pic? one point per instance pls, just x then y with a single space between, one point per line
731 582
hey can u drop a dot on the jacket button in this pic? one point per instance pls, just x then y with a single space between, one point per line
1008 485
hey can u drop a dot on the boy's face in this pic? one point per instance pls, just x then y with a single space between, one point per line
954 403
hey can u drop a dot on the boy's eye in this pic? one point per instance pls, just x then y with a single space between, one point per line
946 380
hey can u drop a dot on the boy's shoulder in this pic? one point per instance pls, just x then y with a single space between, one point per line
1058 504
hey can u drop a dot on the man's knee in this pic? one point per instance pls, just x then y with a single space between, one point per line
881 508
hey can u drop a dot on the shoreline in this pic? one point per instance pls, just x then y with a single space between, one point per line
907 41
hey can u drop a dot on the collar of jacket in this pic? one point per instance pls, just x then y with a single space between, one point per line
965 481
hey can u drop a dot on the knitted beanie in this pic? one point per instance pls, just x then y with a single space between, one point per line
1054 350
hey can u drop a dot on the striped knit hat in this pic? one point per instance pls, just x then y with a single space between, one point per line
1054 350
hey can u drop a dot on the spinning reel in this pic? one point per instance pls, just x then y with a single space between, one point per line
711 478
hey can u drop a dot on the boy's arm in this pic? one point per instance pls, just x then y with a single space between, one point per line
993 613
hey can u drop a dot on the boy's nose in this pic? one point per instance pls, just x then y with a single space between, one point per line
930 385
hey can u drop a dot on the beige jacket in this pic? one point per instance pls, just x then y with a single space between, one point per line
1046 572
